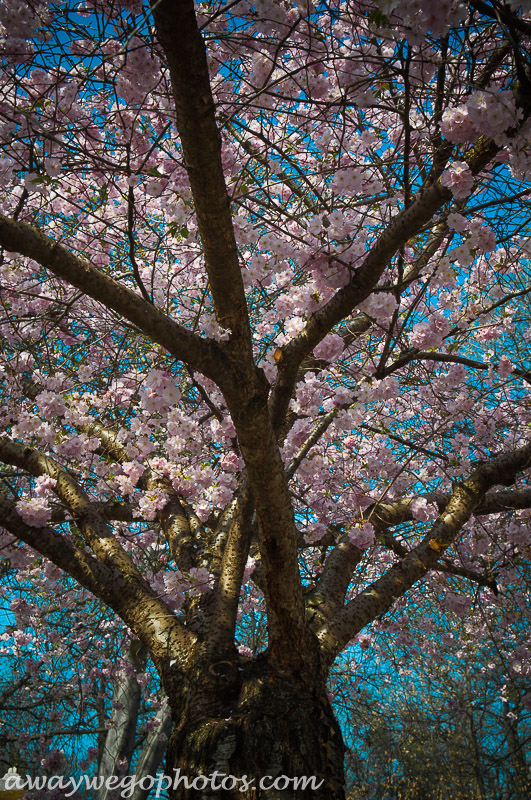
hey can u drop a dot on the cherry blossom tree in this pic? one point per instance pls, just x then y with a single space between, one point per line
265 340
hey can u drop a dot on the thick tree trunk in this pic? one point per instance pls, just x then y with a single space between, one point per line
243 731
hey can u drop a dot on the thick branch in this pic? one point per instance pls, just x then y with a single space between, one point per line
380 595
152 621
125 590
503 13
202 354
388 515
445 565
245 389
406 224
235 552
329 594
178 33
288 633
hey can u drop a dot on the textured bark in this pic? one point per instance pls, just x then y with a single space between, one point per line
227 592
242 718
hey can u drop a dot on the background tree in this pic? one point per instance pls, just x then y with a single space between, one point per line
261 289
437 719
66 706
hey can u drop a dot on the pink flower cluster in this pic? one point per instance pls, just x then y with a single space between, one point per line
159 391
430 334
330 348
139 75
197 581
456 125
132 472
380 306
459 179
34 511
18 19
51 404
150 503
362 536
505 367
423 511
458 603
485 112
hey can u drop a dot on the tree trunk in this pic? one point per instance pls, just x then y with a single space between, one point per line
245 731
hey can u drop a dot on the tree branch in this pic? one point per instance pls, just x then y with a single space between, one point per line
406 224
203 354
227 591
244 387
380 595
329 593
501 13
178 33
148 616
121 585
450 358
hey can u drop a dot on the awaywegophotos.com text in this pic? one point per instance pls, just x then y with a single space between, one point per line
216 781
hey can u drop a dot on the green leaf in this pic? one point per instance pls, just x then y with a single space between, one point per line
378 18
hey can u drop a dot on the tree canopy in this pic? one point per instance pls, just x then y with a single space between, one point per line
265 337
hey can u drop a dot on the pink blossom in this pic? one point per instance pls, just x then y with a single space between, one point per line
150 503
430 334
330 348
505 367
51 404
35 511
458 222
159 391
22 639
457 603
380 306
43 485
422 510
54 761
492 112
459 179
133 470
199 580
456 125
18 19
362 536
249 569
230 462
